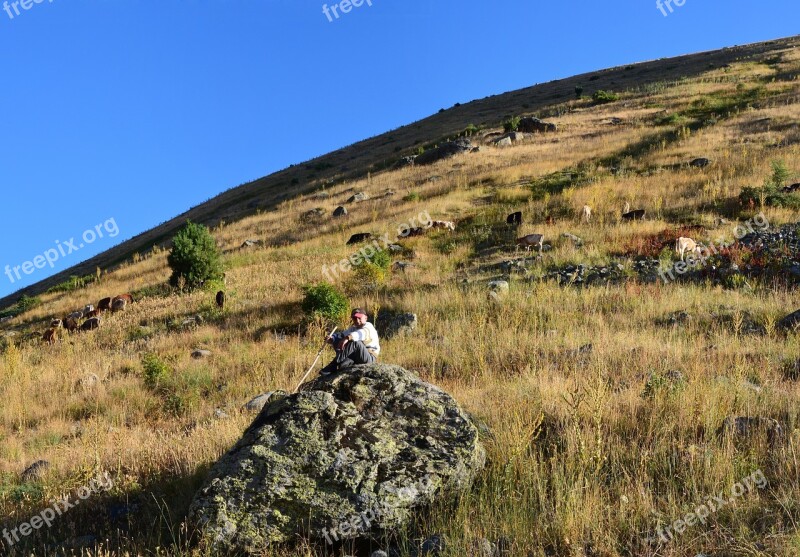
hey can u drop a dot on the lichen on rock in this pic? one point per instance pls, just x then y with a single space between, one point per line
349 455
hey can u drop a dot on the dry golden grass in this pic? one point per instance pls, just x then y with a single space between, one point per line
585 457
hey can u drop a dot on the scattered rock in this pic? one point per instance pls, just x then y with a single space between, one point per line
340 212
746 426
791 322
499 286
481 547
392 323
369 437
88 382
260 401
395 248
314 214
504 141
251 243
198 354
191 322
575 239
405 161
220 414
358 197
35 471
402 266
433 546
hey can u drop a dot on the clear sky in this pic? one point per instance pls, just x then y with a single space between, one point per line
125 113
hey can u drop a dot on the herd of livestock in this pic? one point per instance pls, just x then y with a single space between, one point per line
86 319
682 245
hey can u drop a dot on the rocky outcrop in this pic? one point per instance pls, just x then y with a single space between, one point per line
444 151
351 454
534 125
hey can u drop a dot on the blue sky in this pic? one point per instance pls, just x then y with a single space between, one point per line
136 110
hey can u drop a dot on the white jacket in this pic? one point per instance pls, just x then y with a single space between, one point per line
366 334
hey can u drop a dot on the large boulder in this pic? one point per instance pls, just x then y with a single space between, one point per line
444 151
350 455
394 323
534 125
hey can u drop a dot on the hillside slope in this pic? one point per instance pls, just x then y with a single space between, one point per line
375 154
616 401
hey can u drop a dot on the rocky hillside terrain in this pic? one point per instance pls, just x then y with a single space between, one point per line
572 386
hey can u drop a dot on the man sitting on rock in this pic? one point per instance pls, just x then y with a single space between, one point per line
357 345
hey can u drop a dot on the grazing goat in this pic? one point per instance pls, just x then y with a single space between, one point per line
91 324
682 245
446 224
586 214
104 304
221 299
358 238
626 208
50 336
531 240
637 214
514 218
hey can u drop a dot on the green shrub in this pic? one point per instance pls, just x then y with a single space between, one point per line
602 97
771 193
194 257
155 370
381 259
512 124
578 91
471 129
412 196
24 304
325 301
73 283
367 276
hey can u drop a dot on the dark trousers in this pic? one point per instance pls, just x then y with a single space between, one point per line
354 352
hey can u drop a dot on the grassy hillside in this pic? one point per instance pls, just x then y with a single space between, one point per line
380 152
591 450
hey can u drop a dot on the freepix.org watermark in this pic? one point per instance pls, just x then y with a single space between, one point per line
17 4
667 5
60 506
50 256
699 259
362 522
713 504
345 7
383 242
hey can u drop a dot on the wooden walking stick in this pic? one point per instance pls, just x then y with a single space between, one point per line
315 360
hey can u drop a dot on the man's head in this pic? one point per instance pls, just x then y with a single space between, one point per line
359 317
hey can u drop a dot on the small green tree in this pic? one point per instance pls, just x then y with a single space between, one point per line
194 256
512 124
780 174
325 301
602 97
578 91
